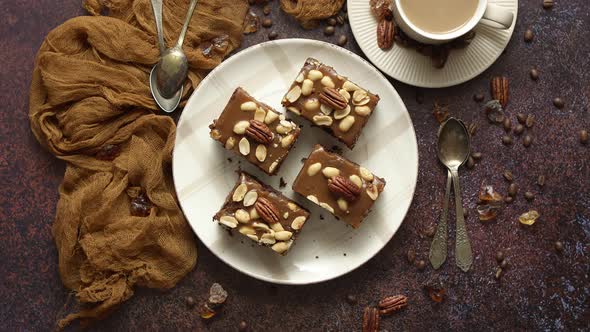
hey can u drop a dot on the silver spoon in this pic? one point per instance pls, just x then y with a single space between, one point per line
172 68
453 151
438 248
166 104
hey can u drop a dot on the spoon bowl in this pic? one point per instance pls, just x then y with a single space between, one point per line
453 143
171 71
167 105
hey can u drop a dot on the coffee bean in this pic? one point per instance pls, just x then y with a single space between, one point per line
351 299
476 155
547 4
504 264
266 10
273 35
411 255
534 74
470 162
541 180
508 199
190 301
508 176
267 22
329 30
478 97
331 21
472 129
530 120
527 140
512 189
498 273
507 124
506 140
529 196
528 35
340 20
421 265
499 256
558 246
521 118
519 129
243 326
584 136
558 102
342 40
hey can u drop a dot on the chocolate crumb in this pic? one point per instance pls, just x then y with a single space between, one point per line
282 183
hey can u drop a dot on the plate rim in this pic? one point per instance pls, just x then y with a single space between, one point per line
253 48
467 78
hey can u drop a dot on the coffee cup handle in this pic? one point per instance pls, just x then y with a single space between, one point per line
499 16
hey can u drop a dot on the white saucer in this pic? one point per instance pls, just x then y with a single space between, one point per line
326 248
408 66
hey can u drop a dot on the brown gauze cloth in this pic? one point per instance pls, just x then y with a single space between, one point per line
90 105
309 12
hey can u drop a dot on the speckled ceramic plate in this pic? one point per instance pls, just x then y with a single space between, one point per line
326 248
408 66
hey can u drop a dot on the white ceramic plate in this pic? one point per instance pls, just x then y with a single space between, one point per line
203 175
408 66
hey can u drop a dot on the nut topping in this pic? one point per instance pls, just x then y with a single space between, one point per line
499 86
283 235
392 303
239 193
327 81
349 86
360 97
259 132
240 127
342 204
259 115
385 34
250 198
366 174
293 94
332 98
307 87
247 230
325 109
261 153
299 78
277 227
343 187
314 169
315 75
356 180
346 123
230 143
248 106
244 146
327 207
298 222
345 94
312 104
281 247
373 192
270 117
267 211
287 141
322 120
228 221
242 216
362 110
340 114
313 199
268 239
331 172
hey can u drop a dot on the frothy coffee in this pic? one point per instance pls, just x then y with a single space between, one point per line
439 16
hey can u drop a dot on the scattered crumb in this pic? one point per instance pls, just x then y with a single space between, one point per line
230 160
321 217
344 254
282 183
336 149
303 160
316 257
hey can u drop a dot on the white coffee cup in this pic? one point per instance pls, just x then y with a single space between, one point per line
485 13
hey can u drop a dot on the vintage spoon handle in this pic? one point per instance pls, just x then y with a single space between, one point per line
157 8
187 21
463 254
438 248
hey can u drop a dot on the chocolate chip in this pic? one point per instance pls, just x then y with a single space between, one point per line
541 180
528 35
527 140
476 155
521 118
558 102
508 176
529 196
478 97
351 299
243 326
519 129
273 35
558 246
331 21
266 10
583 136
506 140
329 30
267 23
342 40
534 74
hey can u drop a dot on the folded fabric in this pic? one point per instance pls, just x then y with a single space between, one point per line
118 223
309 12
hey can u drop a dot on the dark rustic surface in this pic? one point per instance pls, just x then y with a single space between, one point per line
540 290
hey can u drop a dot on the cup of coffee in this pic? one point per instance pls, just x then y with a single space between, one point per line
439 21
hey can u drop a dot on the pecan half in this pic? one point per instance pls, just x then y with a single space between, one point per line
259 132
499 87
331 97
267 211
344 188
392 303
385 34
371 320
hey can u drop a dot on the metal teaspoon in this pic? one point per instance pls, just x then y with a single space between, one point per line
453 151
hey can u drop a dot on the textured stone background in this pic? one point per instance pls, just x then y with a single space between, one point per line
541 289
